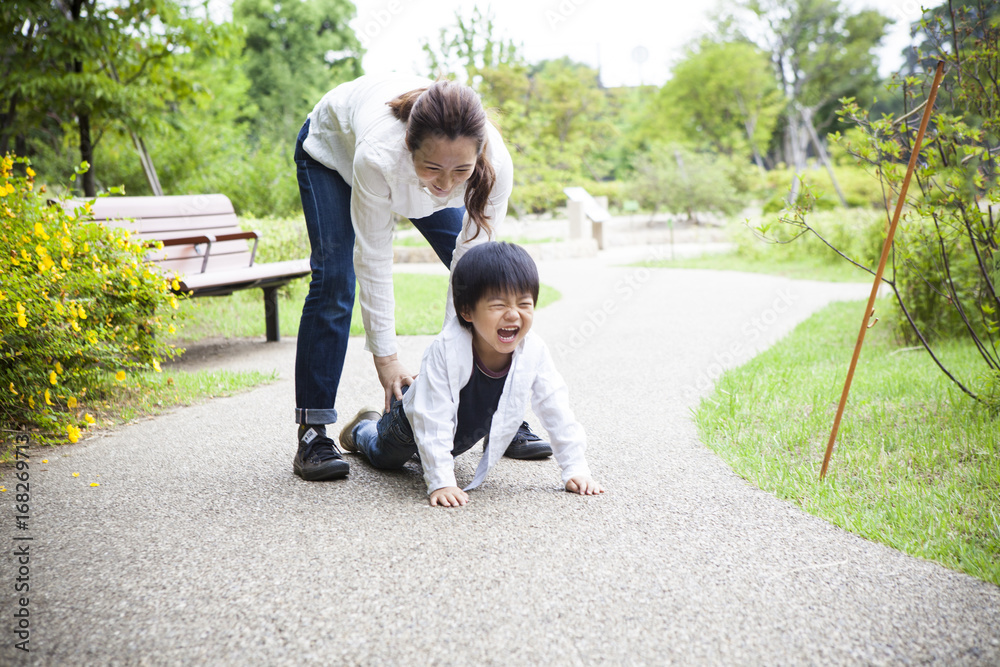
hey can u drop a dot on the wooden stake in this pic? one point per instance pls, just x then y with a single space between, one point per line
886 247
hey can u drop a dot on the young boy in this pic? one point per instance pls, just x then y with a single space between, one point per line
475 381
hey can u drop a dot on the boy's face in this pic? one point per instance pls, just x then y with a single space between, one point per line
500 322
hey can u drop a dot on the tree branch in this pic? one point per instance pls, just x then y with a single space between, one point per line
927 346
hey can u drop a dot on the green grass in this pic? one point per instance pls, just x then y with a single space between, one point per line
916 464
806 267
420 303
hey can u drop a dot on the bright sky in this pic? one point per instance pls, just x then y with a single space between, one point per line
614 34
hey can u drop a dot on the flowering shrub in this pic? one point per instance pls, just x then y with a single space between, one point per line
79 309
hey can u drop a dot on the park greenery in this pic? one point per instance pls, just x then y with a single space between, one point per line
778 110
944 268
918 464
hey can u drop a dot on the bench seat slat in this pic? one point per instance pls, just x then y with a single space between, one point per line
219 248
160 227
293 268
159 207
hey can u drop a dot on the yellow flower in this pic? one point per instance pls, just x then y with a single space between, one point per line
175 284
73 432
94 484
31 402
79 313
92 337
65 263
53 378
22 321
120 376
71 403
171 329
59 307
48 397
12 390
31 172
45 460
76 474
58 367
89 418
156 366
39 230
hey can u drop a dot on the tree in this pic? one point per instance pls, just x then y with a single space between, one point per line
820 53
91 66
945 265
295 53
679 180
724 95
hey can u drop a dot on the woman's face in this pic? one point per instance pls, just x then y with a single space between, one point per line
442 164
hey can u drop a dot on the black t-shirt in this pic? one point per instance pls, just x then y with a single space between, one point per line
477 402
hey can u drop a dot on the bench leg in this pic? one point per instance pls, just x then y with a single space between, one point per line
271 314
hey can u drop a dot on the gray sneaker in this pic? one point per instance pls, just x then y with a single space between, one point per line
347 433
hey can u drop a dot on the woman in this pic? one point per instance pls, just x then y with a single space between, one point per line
372 147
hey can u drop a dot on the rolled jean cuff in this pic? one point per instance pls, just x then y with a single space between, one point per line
314 416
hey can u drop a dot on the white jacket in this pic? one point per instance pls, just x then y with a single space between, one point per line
431 405
353 131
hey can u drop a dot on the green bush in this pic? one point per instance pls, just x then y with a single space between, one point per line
79 309
281 238
857 232
923 281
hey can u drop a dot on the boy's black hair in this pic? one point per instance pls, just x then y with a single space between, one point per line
488 269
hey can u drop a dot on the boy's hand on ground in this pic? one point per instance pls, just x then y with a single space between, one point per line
584 485
449 496
393 376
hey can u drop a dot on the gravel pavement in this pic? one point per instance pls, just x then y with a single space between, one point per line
201 547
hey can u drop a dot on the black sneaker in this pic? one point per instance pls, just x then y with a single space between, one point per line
527 446
318 457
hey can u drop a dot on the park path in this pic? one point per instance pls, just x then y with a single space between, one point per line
201 547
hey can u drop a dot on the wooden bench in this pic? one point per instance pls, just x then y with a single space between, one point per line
204 246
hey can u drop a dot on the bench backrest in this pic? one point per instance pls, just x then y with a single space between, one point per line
179 216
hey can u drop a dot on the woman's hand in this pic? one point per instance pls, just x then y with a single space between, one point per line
393 376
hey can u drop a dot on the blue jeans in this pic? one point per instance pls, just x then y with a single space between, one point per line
326 316
388 443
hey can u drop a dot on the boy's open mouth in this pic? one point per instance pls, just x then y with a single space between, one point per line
508 334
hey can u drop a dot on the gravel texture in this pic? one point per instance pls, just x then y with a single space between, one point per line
201 547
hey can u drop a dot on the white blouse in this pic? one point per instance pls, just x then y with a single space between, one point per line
353 131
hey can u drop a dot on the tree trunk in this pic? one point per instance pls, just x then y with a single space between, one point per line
824 158
88 181
798 157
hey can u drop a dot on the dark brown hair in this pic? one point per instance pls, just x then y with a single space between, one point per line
491 269
451 110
